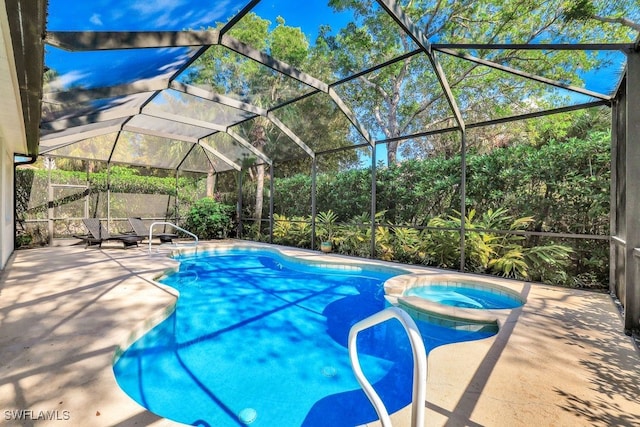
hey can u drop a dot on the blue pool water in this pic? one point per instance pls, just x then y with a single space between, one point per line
258 340
465 296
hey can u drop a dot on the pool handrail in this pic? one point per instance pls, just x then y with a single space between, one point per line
419 364
195 243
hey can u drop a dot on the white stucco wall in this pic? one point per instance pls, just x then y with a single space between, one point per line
12 134
6 206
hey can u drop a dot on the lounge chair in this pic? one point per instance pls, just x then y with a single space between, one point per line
143 231
98 234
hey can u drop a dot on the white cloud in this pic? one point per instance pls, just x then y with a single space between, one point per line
64 81
162 13
213 15
96 20
146 7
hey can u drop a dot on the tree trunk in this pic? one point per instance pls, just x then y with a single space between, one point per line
259 140
392 150
211 182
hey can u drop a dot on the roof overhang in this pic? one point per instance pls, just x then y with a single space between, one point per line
22 25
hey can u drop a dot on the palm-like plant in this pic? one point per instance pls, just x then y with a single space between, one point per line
492 243
295 231
407 245
355 236
281 228
326 224
384 243
491 251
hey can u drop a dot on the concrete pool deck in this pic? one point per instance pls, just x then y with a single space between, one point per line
560 360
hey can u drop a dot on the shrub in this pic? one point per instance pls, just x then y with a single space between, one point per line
209 219
292 232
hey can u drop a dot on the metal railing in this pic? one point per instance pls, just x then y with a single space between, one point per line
419 364
195 243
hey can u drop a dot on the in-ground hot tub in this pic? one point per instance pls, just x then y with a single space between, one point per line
466 294
454 300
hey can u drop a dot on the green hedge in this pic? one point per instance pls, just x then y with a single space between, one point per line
565 186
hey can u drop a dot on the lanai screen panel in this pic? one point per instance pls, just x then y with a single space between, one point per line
510 94
148 150
234 153
264 133
400 99
75 113
55 139
95 69
518 22
607 66
192 107
438 181
200 160
355 38
319 122
223 71
96 148
172 129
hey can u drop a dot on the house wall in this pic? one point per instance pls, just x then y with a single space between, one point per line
6 206
12 134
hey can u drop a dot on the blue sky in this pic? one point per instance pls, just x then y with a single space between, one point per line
175 15
308 18
140 15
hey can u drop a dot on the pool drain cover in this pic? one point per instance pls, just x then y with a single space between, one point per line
329 371
248 415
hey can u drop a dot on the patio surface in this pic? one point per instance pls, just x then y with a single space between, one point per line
560 360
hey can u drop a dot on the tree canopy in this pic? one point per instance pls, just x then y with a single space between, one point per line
407 97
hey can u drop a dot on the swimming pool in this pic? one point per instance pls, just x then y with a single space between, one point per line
258 338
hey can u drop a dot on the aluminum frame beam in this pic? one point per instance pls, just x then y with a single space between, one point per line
100 116
623 47
631 206
524 74
78 96
77 137
183 120
220 156
111 40
238 16
398 15
246 144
